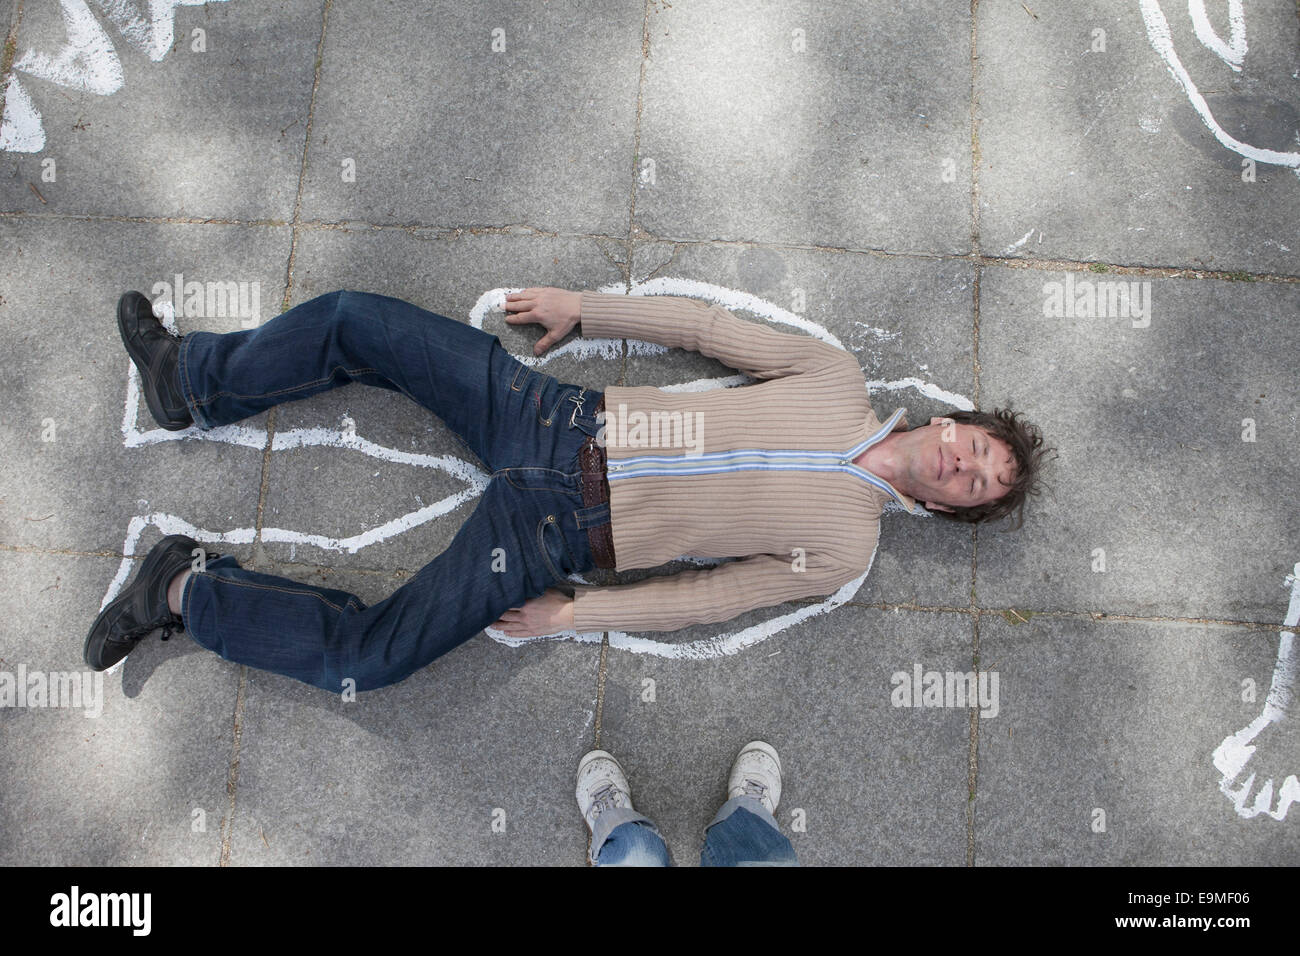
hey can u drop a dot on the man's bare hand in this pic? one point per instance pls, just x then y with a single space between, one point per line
554 309
548 614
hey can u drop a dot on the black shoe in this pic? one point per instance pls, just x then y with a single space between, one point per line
142 607
156 353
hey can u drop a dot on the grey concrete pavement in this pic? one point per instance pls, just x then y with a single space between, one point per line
1102 754
1089 150
950 191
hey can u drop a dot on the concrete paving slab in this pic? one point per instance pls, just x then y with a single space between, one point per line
1154 476
832 124
73 479
876 784
1103 751
131 772
467 762
475 92
142 123
1090 150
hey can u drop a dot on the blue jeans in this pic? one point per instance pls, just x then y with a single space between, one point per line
742 833
527 533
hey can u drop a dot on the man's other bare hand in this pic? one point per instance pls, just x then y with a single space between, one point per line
556 310
550 613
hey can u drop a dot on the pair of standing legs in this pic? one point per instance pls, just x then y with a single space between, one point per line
743 833
527 533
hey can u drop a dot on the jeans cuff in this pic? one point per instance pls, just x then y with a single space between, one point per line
185 601
752 804
611 819
187 393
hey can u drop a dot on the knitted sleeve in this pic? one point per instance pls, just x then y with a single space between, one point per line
711 330
706 596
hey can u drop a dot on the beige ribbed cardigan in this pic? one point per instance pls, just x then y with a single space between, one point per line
812 396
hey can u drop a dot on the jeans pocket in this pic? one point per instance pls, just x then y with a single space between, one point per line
554 549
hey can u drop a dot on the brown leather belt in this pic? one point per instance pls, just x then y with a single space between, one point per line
595 491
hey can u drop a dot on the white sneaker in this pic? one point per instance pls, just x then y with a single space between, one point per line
756 773
602 785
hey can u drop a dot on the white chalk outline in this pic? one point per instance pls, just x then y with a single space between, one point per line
87 60
1232 755
729 642
1233 52
1162 41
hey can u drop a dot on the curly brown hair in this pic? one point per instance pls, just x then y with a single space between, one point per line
1026 443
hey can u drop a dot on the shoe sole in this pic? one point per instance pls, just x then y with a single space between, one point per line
141 360
102 621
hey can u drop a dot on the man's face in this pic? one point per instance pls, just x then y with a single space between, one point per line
955 465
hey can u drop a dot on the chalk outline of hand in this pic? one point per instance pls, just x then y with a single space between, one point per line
86 61
1234 753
